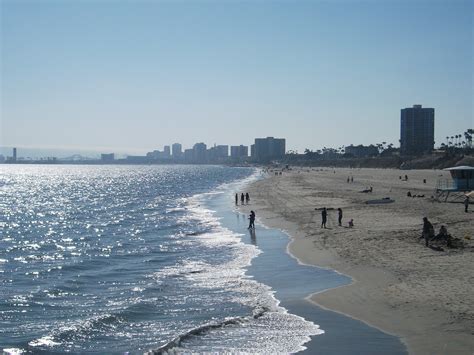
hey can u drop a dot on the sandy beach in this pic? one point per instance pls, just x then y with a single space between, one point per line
400 286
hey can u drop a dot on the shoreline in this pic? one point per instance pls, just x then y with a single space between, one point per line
380 294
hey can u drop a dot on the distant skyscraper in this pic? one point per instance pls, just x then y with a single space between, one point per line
189 155
200 153
416 130
176 150
239 151
269 148
14 154
166 151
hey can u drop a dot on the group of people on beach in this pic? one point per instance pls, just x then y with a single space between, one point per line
244 198
428 233
324 218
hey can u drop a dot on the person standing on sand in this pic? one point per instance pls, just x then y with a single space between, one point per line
247 198
252 220
428 230
324 216
339 217
242 198
236 198
466 204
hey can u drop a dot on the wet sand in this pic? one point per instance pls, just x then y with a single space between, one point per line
400 286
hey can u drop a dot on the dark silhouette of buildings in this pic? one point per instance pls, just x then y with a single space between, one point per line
218 154
200 153
416 130
239 152
177 151
14 155
166 152
266 149
107 158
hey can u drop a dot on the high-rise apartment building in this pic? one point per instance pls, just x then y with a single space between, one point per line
166 152
269 148
177 150
239 151
416 130
200 153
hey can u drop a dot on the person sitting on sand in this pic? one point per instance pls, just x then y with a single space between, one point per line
428 231
351 223
408 194
443 235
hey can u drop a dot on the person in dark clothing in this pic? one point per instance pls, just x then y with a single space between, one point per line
324 216
252 220
242 198
466 204
247 197
236 199
428 231
339 217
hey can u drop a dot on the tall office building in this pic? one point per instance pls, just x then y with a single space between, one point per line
200 153
416 130
14 155
269 148
176 150
166 151
239 151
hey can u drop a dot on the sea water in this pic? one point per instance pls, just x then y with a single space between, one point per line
126 259
129 259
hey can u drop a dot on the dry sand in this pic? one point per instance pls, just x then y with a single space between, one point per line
424 296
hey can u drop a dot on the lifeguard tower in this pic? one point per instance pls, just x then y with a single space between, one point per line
461 182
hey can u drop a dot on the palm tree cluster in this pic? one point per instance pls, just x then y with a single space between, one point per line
459 140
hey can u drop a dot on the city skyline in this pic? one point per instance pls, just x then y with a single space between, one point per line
89 75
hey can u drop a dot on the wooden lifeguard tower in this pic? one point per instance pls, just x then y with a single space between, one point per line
461 182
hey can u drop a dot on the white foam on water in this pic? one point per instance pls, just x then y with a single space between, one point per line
274 330
44 341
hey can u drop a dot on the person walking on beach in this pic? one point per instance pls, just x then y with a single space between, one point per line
242 198
428 230
236 198
324 216
247 198
466 204
339 217
252 220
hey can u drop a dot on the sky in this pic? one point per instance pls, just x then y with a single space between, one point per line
133 76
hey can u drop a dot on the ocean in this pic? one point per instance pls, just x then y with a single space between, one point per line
129 259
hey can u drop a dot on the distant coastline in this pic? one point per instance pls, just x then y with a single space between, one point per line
432 161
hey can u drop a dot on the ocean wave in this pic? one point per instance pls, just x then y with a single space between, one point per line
202 329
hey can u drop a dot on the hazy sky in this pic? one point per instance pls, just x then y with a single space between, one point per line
137 75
